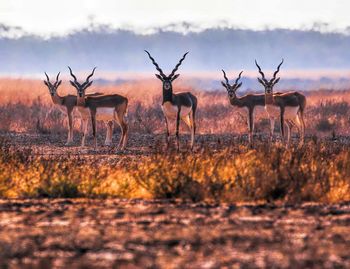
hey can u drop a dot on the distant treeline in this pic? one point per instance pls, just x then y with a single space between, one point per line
121 50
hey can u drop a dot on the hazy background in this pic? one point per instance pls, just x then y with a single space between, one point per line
312 36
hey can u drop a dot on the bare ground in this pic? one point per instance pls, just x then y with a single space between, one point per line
83 233
138 146
170 234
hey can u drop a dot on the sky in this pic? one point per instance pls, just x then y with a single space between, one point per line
47 17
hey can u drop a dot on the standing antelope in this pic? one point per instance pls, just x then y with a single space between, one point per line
249 101
67 105
177 106
288 106
107 108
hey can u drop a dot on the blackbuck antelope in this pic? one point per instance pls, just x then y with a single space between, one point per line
249 101
177 106
66 104
107 108
289 106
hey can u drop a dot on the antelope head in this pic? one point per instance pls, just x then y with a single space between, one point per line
231 89
81 87
268 84
52 87
167 80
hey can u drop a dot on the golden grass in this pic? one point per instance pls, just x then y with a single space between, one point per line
320 171
25 105
316 172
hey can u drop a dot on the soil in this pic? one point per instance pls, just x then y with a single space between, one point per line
114 233
138 146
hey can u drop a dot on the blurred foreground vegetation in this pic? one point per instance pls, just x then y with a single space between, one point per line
319 171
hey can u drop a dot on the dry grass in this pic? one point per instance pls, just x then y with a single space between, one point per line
25 107
320 171
185 217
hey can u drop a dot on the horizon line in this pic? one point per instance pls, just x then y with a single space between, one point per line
315 74
183 27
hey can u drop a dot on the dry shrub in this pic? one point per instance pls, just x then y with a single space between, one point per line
324 125
294 175
317 172
329 115
168 177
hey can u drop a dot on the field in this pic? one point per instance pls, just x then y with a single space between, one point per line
117 233
224 204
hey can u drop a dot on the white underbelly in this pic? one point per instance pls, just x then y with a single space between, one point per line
289 112
102 113
273 111
84 112
170 110
245 109
105 113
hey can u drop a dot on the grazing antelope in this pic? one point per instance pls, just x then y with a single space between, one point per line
249 101
107 108
177 106
288 106
66 104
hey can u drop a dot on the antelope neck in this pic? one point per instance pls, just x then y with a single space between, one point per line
269 100
56 99
237 102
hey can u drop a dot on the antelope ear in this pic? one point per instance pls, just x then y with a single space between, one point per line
46 83
159 77
88 85
262 82
59 83
223 84
239 85
175 77
276 81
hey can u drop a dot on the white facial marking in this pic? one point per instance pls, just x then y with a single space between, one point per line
167 85
231 94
